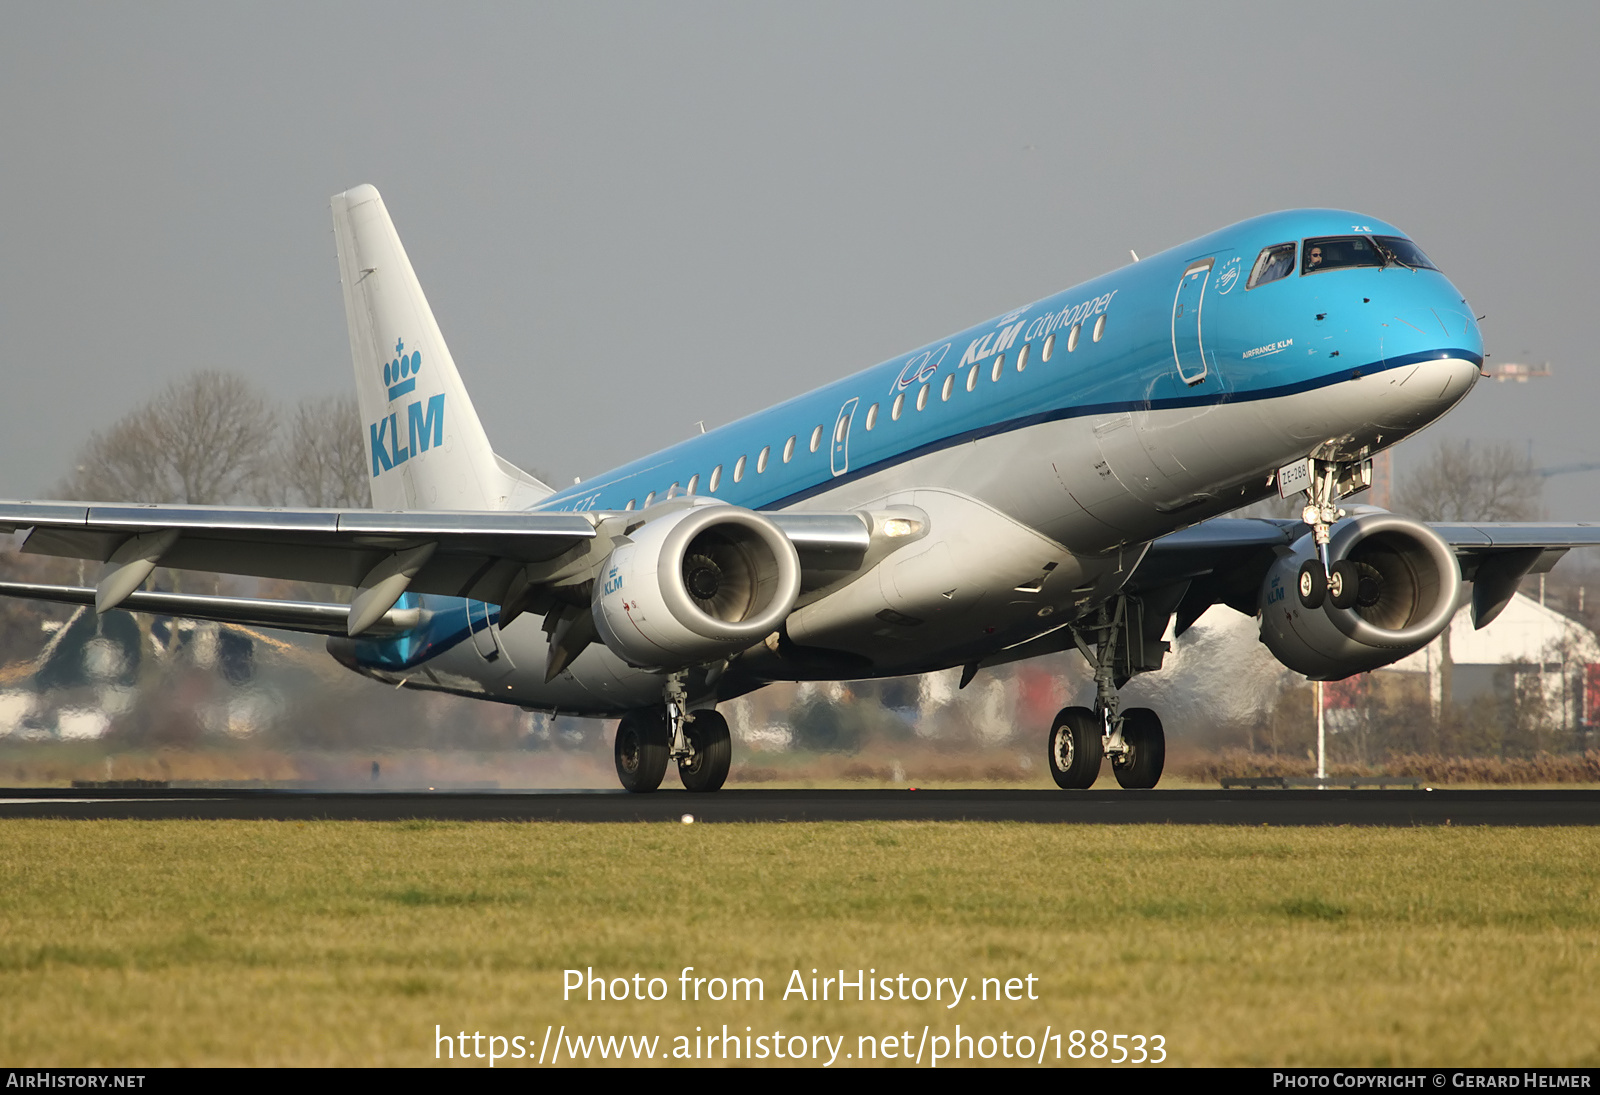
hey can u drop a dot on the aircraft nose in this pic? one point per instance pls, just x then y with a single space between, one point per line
1422 391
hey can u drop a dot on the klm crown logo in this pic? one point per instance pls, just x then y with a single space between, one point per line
424 421
400 375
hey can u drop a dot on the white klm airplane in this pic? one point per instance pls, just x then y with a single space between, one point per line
1046 480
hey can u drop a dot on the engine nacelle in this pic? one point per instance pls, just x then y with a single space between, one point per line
694 586
1419 587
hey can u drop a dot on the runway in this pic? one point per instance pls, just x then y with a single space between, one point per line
1113 807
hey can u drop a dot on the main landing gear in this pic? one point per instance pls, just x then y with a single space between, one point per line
650 736
1080 737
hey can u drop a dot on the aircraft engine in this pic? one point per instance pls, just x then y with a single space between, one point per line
1409 587
694 586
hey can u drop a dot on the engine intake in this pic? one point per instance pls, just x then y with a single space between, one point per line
695 585
1418 586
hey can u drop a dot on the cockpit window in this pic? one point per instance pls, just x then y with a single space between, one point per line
1333 252
1401 250
1273 263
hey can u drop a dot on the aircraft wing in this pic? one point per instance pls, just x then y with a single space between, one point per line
520 560
1225 560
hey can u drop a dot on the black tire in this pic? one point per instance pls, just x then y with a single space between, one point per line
1139 769
1312 584
641 749
1076 748
707 769
1344 584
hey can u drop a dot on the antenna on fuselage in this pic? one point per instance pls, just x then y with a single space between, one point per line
1134 253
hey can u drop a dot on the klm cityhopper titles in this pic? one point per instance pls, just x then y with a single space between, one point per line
1050 479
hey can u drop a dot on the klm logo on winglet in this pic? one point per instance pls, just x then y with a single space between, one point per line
425 422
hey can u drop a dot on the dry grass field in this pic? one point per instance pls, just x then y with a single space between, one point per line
163 943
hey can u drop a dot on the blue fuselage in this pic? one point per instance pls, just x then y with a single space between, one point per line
1295 334
1109 414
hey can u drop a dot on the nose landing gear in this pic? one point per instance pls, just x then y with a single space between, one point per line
1342 582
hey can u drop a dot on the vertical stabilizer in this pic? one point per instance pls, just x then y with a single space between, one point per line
426 448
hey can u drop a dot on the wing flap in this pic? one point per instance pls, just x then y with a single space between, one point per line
312 617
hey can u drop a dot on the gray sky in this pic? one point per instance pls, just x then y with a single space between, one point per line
629 217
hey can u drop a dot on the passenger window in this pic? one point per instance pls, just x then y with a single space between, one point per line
899 405
716 479
672 491
999 367
1049 348
972 376
949 385
629 505
1072 337
1099 328
816 438
738 469
1022 358
872 416
788 449
1273 263
922 397
651 497
761 460
839 427
694 483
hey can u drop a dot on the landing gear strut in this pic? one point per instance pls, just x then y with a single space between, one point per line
1318 580
1133 739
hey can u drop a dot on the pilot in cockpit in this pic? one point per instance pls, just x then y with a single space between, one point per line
1313 259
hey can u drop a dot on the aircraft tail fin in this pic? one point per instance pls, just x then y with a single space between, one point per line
425 445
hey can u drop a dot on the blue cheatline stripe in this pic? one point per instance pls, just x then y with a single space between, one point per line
1063 413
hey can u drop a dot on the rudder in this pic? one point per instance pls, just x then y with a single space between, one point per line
426 448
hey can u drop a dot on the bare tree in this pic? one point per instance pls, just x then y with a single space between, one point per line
1466 482
205 440
322 460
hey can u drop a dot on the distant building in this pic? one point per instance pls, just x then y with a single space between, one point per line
1527 638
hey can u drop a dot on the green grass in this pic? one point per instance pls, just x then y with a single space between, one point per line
155 943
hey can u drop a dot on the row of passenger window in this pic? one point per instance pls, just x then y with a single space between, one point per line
997 369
